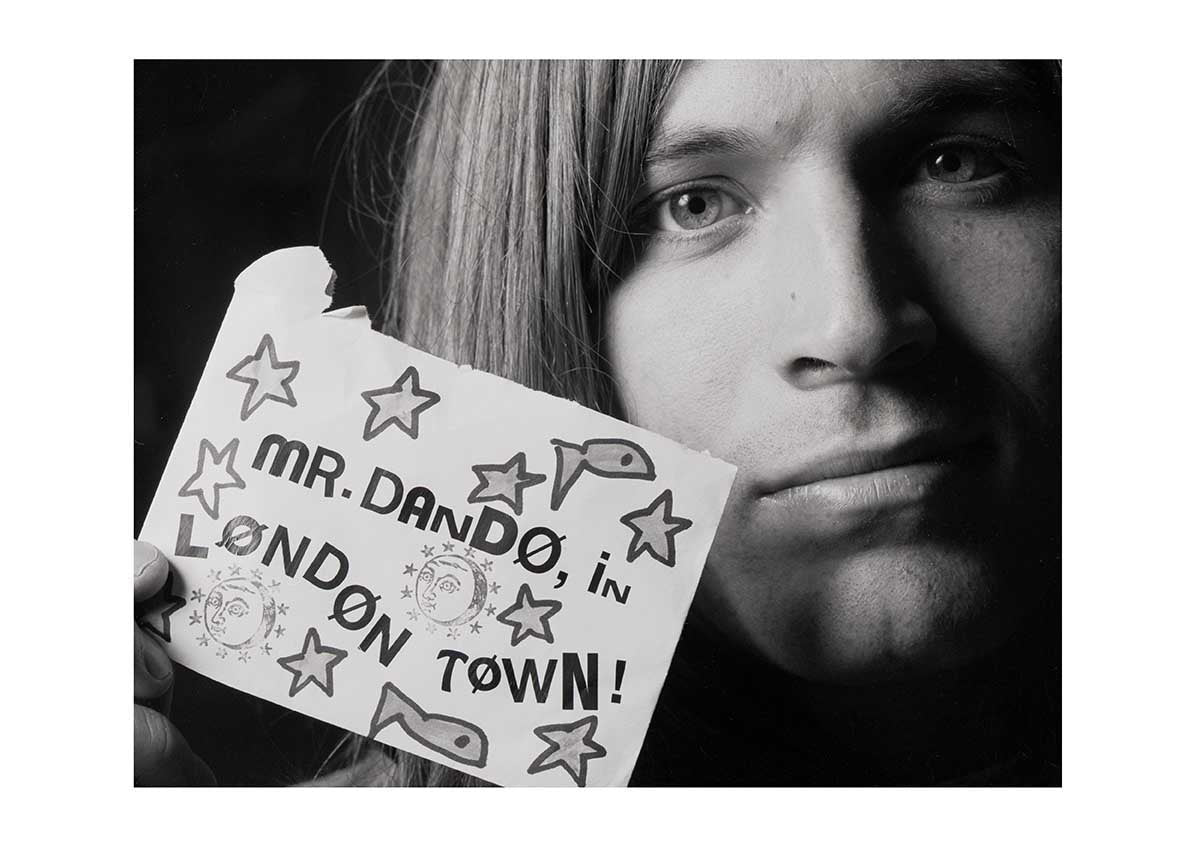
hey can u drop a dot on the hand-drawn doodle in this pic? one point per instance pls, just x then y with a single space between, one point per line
400 404
450 590
213 471
571 746
314 663
457 739
614 458
504 482
654 528
267 380
159 608
528 617
239 612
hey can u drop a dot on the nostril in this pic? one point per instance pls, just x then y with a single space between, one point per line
809 372
809 364
905 355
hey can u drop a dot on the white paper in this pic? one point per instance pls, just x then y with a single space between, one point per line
585 540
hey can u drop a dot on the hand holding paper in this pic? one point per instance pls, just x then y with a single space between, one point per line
425 554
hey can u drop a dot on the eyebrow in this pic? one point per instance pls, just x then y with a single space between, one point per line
1016 85
981 87
687 141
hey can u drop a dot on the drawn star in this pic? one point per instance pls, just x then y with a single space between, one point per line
196 596
490 610
487 565
399 404
475 627
221 653
266 649
160 607
431 627
214 574
194 619
243 656
266 376
504 482
279 631
448 545
570 746
409 570
283 608
452 633
256 573
203 640
213 471
654 528
429 551
234 570
528 617
406 592
494 586
411 613
313 664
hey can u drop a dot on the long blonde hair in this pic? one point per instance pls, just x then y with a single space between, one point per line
512 223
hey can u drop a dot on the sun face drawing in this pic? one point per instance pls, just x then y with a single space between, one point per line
239 613
449 591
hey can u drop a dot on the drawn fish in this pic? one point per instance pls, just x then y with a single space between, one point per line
610 457
460 740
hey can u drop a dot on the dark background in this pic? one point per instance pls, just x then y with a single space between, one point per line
231 161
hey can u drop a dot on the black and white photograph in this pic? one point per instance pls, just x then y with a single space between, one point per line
673 399
752 477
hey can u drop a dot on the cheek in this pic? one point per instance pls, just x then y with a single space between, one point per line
680 351
995 287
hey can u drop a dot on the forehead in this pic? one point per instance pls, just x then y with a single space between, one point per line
804 96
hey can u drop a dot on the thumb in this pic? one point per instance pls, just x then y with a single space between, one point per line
149 570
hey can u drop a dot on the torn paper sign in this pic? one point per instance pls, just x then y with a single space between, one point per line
434 557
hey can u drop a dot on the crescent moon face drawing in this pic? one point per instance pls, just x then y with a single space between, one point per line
239 612
450 590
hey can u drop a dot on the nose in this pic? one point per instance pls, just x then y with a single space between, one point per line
851 312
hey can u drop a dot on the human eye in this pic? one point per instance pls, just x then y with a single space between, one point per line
448 585
965 168
691 208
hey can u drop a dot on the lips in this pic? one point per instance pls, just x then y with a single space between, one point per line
894 472
918 448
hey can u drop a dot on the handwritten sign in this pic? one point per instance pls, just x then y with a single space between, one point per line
428 555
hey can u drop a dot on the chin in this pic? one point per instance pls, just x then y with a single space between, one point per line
878 616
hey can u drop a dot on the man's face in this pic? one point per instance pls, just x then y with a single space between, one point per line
851 292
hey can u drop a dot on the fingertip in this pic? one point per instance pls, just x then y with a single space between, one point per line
149 568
